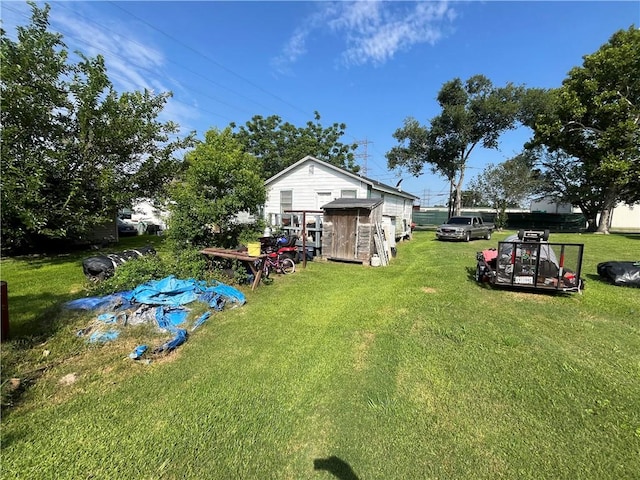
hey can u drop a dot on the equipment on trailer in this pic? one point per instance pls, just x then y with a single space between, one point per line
528 261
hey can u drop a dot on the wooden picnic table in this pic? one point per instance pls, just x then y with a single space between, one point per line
254 263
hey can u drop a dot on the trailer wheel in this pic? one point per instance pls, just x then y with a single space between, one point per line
479 273
521 234
545 235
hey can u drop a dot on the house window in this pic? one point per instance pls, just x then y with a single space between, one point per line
286 200
347 194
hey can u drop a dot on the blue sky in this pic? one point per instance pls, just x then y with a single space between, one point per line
366 64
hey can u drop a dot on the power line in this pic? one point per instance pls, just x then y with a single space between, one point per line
218 64
187 69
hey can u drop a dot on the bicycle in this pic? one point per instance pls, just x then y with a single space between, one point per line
279 263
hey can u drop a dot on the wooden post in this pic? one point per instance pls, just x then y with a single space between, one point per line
304 239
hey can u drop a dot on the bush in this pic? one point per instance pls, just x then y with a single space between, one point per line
132 274
188 263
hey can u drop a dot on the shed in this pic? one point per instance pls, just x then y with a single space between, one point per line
350 228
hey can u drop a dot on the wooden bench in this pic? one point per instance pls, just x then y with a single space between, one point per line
254 263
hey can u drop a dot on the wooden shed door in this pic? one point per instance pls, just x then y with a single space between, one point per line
345 227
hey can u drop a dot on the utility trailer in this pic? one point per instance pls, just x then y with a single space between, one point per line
528 261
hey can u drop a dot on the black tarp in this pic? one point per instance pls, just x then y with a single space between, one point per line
100 267
625 274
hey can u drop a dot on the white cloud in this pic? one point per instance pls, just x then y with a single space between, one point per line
373 31
131 64
133 61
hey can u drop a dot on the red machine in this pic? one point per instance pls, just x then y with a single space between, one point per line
528 261
282 245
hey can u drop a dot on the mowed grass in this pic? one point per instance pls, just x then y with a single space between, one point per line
343 371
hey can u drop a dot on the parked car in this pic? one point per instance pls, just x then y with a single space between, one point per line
465 227
126 228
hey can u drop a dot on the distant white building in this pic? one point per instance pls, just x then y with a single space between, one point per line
144 211
623 216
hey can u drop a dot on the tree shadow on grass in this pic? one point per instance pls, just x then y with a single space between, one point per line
45 324
19 370
336 467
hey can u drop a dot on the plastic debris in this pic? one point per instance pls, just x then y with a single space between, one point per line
104 337
138 352
175 342
203 318
159 301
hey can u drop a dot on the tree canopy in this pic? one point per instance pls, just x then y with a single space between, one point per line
220 181
588 130
474 113
279 144
507 184
73 149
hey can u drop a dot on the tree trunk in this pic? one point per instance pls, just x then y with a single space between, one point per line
458 205
605 219
606 211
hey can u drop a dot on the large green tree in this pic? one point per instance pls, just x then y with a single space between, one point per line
220 181
589 131
279 144
73 149
507 185
474 113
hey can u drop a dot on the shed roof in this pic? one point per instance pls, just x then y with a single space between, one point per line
348 203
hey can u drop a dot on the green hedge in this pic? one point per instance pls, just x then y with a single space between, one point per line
555 222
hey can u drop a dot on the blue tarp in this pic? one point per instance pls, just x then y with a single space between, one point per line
168 318
160 300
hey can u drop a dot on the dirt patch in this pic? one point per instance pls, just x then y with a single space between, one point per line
428 290
68 379
526 297
362 349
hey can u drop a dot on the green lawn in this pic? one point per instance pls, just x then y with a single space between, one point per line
346 372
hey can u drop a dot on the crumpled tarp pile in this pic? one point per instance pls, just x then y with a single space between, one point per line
159 301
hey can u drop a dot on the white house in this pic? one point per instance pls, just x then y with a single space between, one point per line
309 184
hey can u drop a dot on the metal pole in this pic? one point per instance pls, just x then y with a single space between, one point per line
304 239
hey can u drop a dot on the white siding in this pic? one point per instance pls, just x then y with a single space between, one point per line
315 183
626 217
306 183
145 211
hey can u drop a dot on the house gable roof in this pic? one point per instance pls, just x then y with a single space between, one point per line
375 185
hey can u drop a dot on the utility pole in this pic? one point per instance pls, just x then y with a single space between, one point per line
426 196
364 156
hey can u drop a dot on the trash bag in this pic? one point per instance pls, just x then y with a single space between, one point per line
625 274
101 267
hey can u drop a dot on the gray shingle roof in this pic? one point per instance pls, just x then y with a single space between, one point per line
346 203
